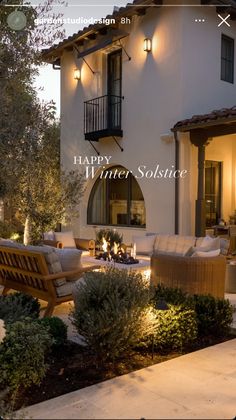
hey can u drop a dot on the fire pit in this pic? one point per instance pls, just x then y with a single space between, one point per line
115 254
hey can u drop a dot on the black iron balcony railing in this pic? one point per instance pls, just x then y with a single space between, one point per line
102 117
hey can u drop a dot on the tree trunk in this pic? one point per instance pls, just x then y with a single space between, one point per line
27 231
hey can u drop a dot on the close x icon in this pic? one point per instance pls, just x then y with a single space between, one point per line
224 20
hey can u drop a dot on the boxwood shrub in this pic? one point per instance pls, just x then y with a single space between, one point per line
214 316
22 355
175 329
57 330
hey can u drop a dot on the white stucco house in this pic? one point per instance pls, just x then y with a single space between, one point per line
130 86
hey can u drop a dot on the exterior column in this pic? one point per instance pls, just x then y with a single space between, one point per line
200 218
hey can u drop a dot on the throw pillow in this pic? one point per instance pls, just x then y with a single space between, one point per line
210 244
67 239
208 254
224 246
49 236
70 259
144 244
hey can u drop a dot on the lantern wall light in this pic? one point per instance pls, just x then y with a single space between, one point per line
147 45
77 74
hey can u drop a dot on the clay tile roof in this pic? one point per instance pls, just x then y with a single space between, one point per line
221 116
129 10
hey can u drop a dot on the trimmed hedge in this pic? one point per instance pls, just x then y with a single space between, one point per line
22 354
176 328
57 330
214 316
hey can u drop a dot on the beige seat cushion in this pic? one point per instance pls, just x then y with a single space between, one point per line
67 239
70 259
52 261
65 289
174 243
11 244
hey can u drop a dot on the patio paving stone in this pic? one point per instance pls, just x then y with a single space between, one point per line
199 385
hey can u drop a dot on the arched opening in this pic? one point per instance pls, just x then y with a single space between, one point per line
116 199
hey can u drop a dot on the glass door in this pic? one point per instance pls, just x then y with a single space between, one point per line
213 174
114 88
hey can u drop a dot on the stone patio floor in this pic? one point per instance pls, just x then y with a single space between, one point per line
199 385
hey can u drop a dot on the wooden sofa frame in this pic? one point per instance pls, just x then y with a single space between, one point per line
27 271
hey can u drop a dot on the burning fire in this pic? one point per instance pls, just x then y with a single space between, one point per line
104 245
115 248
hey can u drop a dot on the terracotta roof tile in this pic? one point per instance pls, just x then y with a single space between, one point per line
120 12
221 114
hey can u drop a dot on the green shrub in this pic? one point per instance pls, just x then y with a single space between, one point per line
214 316
111 311
57 330
22 355
176 328
5 230
17 306
172 296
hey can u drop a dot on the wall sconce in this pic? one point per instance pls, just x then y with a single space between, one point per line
147 45
77 74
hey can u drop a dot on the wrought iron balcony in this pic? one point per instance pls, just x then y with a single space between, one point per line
102 117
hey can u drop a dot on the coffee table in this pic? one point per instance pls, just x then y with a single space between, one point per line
143 265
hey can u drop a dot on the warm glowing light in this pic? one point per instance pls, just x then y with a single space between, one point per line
147 45
147 274
115 248
104 245
77 74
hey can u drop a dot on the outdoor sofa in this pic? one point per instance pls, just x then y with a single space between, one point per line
195 265
41 271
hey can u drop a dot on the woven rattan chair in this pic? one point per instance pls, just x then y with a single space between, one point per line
194 275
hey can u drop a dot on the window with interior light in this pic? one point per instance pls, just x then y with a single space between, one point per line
117 202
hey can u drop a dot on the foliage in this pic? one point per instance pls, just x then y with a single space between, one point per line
176 328
111 311
214 316
29 145
57 330
17 306
5 230
22 355
111 236
172 296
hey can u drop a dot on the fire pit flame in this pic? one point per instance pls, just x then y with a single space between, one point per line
117 254
115 248
104 245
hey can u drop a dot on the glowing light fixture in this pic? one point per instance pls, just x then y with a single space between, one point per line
77 74
147 45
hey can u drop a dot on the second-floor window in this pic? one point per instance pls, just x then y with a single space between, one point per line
227 59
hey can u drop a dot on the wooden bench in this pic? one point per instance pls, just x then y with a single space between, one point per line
27 271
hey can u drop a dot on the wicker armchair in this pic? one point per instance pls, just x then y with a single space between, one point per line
195 275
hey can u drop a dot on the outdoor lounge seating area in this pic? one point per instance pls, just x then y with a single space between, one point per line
41 272
195 265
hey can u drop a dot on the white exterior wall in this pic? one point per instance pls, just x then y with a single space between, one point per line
159 89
